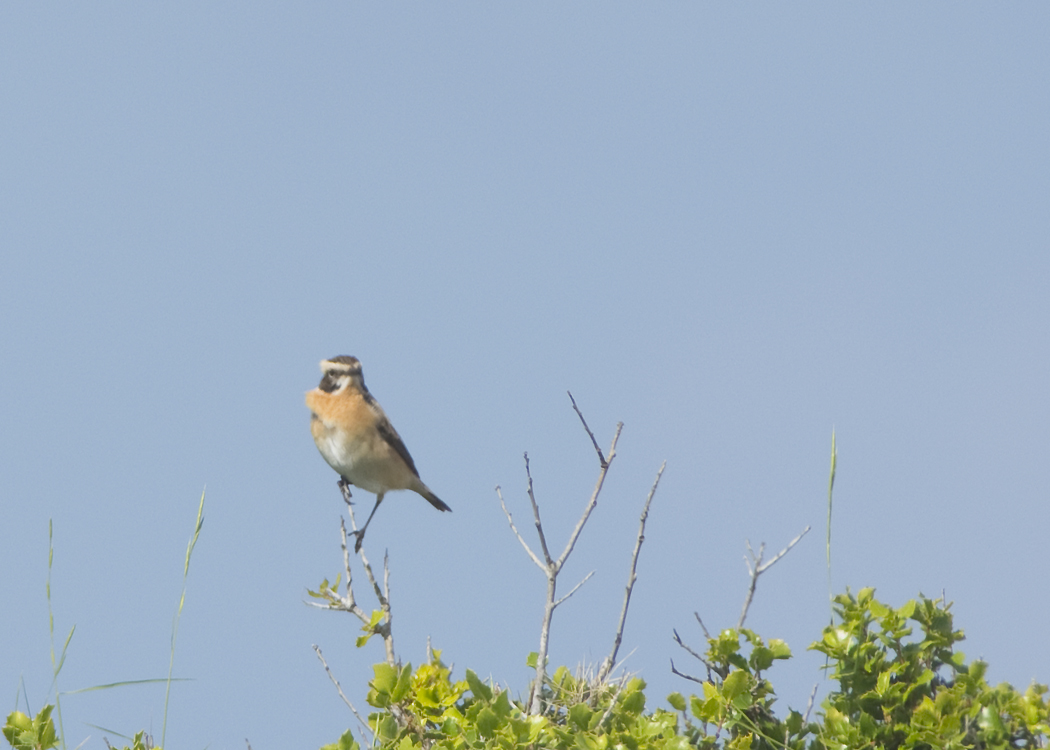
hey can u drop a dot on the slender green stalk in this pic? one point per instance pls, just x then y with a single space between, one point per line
831 485
56 664
178 614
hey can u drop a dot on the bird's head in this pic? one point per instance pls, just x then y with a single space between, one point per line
339 372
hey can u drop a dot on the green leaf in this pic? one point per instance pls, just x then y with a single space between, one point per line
677 701
532 660
404 682
502 705
634 702
780 649
31 734
580 715
487 722
736 684
386 730
480 690
761 658
385 678
345 742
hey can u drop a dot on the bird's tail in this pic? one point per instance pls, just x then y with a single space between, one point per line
434 500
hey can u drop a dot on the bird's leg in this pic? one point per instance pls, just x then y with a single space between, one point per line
344 487
360 534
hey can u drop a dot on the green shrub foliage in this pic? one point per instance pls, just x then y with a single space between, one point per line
897 682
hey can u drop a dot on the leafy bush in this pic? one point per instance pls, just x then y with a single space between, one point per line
900 684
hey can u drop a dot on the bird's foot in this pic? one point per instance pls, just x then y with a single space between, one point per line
344 487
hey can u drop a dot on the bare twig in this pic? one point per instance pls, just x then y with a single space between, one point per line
680 642
606 463
682 674
548 564
758 568
612 703
536 515
809 706
348 602
338 687
710 669
594 442
510 519
575 588
610 660
702 626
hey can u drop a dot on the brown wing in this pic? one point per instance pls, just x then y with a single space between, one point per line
389 434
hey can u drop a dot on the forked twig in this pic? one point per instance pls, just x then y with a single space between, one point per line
550 566
348 602
575 588
514 528
755 568
606 463
594 442
610 660
758 568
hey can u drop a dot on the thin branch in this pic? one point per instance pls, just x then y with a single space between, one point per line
371 577
514 528
683 674
809 706
383 629
594 442
574 588
786 549
688 650
612 703
338 687
759 568
606 463
388 626
610 660
702 626
349 597
548 564
536 514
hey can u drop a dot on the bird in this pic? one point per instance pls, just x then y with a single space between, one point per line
355 437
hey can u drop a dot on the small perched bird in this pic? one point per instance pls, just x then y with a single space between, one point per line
357 440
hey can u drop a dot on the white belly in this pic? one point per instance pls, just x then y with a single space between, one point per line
355 460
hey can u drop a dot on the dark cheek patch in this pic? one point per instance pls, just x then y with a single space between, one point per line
328 384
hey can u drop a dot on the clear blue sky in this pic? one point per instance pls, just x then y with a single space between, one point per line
732 227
